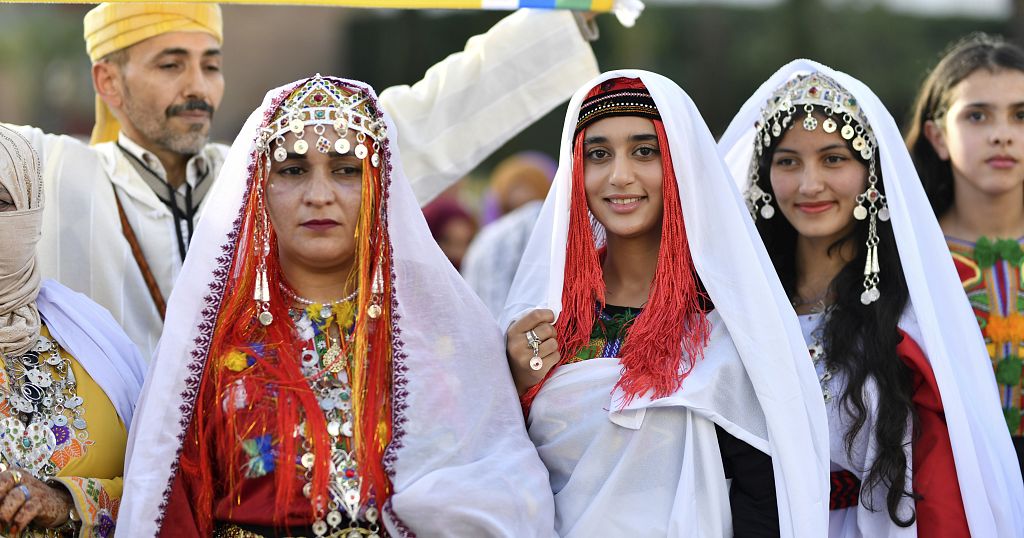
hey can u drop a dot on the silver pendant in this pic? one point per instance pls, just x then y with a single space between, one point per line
374 311
280 154
361 152
810 123
342 146
301 147
266 318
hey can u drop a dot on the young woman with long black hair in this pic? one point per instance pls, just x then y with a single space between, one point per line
917 443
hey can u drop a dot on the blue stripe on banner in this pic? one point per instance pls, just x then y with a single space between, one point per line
543 4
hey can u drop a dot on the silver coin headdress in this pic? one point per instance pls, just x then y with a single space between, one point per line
807 95
320 104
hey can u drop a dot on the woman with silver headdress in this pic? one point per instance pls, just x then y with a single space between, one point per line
69 377
337 377
918 445
651 354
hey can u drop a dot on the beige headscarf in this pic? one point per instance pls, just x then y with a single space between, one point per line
114 26
19 233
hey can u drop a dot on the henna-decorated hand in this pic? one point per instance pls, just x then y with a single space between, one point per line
25 500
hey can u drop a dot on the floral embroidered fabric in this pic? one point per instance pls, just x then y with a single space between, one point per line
990 271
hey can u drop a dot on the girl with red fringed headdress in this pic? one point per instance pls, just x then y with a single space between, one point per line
342 380
640 402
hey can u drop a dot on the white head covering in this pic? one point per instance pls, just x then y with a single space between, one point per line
938 316
747 296
459 460
20 231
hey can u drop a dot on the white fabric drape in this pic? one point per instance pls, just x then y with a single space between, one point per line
741 281
462 110
462 463
89 333
938 315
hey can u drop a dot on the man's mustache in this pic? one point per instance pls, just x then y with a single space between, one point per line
175 110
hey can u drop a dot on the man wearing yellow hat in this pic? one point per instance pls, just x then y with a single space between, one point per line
121 211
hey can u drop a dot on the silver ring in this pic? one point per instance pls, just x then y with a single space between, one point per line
533 341
16 475
24 491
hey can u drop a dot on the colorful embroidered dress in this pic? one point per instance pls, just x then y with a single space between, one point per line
992 278
609 333
78 435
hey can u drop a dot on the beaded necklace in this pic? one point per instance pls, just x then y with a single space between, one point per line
326 363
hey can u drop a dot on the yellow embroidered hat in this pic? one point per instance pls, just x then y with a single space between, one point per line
114 26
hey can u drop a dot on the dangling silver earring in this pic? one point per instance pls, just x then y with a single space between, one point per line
756 195
375 310
261 289
871 205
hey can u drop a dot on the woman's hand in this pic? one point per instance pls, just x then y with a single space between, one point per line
25 500
520 353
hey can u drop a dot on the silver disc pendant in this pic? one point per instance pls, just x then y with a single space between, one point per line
860 212
301 147
767 211
866 153
810 123
342 146
280 154
883 214
865 298
296 126
829 125
859 144
536 364
374 311
847 132
375 160
266 318
361 152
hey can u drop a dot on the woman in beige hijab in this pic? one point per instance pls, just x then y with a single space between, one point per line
69 378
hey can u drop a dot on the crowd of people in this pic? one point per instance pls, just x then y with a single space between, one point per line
809 327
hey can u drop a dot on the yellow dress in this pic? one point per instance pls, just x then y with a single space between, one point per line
89 462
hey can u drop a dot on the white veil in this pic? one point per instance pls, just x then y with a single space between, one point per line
460 461
938 316
741 281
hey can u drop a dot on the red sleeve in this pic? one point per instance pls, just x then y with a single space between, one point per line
940 511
